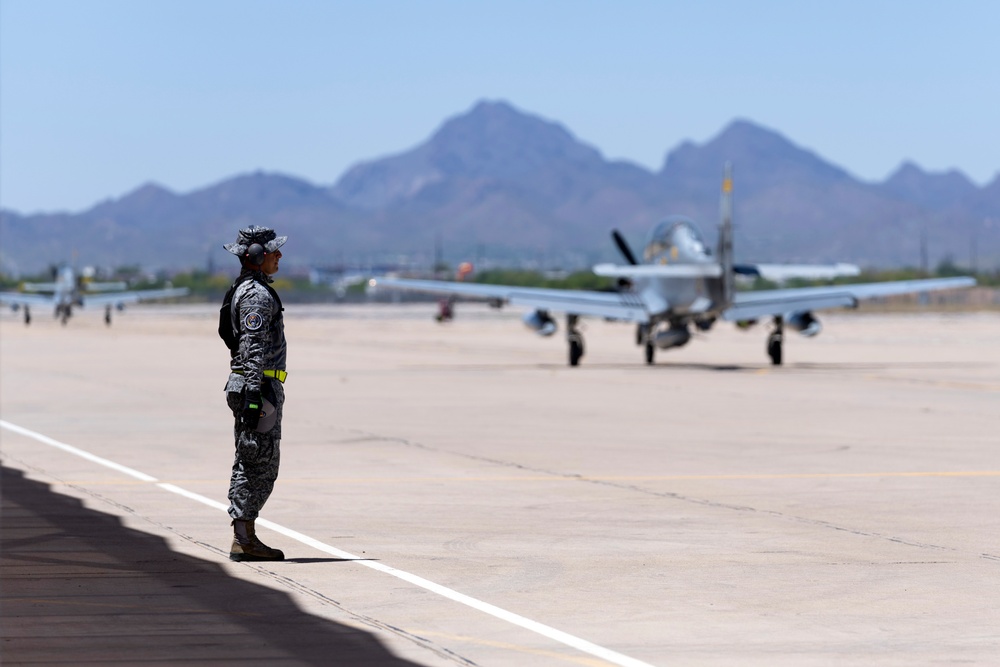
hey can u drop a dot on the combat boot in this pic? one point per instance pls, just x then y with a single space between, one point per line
246 545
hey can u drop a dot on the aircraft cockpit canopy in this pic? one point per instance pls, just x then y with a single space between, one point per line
675 238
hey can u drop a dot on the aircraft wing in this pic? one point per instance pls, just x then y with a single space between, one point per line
21 299
615 305
115 298
751 305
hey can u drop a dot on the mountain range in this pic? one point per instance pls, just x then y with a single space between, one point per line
499 185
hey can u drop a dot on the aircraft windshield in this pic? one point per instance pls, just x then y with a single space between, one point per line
675 238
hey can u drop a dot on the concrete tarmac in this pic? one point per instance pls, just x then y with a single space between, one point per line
454 494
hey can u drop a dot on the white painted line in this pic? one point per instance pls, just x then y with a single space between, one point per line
215 504
79 452
485 607
538 628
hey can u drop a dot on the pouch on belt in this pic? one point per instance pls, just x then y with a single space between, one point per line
268 411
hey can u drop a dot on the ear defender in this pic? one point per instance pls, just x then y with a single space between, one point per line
255 254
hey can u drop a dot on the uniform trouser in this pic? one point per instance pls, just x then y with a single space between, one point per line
257 455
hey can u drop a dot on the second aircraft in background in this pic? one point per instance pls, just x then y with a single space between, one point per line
69 291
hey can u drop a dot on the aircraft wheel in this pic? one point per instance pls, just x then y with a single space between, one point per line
650 353
774 349
640 333
575 351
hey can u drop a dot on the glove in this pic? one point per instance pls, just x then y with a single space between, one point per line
251 409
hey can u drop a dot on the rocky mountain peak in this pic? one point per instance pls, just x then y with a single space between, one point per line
493 140
742 142
147 197
496 140
936 191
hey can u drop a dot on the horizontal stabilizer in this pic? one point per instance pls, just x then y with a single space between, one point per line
659 270
780 272
105 287
40 287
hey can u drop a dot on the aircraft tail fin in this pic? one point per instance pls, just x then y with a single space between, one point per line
726 235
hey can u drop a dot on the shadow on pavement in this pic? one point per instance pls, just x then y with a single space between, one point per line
78 587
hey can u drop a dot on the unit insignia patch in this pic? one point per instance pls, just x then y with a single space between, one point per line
253 321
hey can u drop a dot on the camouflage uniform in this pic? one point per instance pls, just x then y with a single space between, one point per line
257 317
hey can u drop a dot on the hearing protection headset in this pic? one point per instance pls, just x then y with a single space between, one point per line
255 254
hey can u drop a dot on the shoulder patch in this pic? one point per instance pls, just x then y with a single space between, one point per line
253 321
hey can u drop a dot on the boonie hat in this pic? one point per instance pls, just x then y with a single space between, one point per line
247 236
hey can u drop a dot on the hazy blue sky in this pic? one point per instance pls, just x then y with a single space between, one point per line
100 96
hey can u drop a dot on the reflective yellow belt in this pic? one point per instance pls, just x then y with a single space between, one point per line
277 375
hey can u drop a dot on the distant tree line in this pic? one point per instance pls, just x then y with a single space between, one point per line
206 286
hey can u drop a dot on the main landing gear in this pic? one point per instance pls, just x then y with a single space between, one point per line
775 339
446 310
575 340
643 336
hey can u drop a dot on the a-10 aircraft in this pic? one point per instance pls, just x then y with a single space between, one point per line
680 285
69 291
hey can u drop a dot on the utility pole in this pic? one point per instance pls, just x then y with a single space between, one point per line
924 269
438 256
973 251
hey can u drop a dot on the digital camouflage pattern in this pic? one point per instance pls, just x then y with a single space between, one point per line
247 236
260 327
255 468
258 322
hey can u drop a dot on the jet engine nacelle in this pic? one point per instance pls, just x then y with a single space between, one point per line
540 322
672 337
805 323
